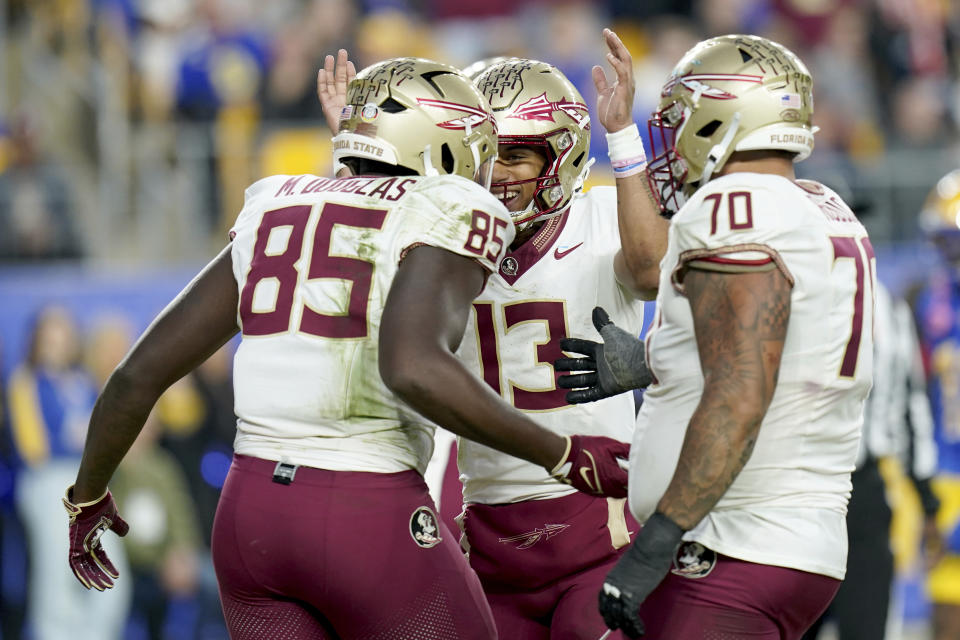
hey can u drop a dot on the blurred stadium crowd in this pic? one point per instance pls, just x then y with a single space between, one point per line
142 121
129 130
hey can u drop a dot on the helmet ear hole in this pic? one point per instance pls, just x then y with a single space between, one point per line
429 78
446 158
578 160
709 129
392 106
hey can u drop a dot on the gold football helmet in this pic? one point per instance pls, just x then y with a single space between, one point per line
535 105
475 69
418 114
730 93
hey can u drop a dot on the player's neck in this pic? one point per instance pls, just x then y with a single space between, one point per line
524 235
759 162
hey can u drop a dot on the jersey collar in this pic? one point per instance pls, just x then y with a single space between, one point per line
518 262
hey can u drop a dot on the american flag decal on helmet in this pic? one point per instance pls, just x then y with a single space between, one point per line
474 117
540 108
698 82
791 101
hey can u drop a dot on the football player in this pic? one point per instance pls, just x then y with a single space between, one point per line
760 355
938 321
351 296
541 550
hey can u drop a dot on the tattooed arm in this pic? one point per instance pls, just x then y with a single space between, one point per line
740 321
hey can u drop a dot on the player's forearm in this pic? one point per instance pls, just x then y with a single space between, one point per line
422 324
718 443
197 323
438 386
117 419
740 321
643 232
643 236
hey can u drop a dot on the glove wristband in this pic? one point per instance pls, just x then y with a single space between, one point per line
70 504
626 152
660 534
563 459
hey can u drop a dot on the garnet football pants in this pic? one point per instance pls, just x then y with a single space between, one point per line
736 600
334 554
542 562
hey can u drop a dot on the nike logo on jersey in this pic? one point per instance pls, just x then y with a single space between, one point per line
527 540
561 254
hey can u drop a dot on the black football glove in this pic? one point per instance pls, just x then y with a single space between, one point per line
613 366
638 572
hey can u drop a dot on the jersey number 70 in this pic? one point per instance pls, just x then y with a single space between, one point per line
844 247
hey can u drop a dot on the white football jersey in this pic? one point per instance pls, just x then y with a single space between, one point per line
314 259
787 506
543 292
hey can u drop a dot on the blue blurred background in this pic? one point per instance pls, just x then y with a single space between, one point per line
130 128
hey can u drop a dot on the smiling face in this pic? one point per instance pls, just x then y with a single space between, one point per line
538 108
515 175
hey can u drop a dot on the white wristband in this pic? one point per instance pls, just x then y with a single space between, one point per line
626 152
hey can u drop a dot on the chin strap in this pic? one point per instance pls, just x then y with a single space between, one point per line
528 209
472 142
719 150
582 178
428 168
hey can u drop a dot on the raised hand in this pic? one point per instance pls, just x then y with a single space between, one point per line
596 465
332 81
89 521
615 101
616 365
